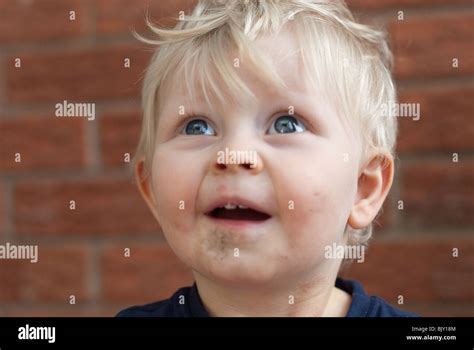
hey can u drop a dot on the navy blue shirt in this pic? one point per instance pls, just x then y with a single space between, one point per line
186 303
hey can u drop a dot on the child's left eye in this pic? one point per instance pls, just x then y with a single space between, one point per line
286 124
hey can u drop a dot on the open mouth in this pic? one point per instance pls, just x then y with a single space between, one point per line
238 213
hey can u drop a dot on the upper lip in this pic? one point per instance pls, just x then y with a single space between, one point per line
222 201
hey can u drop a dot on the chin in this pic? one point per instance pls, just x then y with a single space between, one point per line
238 273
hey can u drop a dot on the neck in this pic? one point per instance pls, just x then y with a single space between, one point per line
313 297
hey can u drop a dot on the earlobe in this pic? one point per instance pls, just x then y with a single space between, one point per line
360 214
373 186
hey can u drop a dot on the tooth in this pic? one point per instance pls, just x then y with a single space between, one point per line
242 206
230 206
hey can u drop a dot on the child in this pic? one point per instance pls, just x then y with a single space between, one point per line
263 146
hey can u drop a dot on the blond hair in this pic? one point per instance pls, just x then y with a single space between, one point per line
350 60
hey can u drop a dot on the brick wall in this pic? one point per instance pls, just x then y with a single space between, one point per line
82 250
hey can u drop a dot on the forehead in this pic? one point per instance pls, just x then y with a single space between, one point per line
281 51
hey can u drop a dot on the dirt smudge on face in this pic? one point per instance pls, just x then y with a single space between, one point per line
218 243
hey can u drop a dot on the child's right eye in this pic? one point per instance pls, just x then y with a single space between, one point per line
198 127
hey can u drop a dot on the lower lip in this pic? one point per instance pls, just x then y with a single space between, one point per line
238 224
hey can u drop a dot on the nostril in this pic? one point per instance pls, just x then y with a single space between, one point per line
224 166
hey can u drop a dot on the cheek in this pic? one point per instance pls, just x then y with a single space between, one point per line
174 190
321 192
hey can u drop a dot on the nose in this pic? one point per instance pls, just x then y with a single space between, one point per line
234 160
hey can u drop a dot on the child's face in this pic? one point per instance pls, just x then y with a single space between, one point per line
306 180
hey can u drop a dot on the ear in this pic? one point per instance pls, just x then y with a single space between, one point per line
144 185
374 183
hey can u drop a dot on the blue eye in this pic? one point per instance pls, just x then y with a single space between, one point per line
286 124
198 127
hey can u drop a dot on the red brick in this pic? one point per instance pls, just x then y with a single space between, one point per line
444 124
108 207
152 272
60 272
438 194
112 18
44 143
84 76
41 20
425 47
365 5
422 270
120 134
